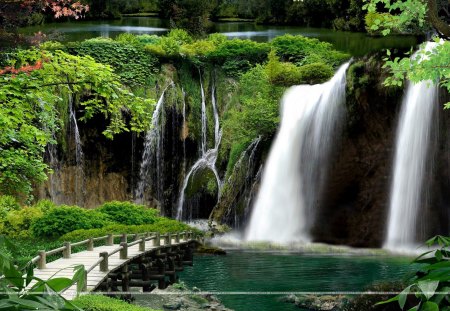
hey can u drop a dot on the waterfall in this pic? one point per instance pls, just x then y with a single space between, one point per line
204 118
80 190
55 177
284 209
152 152
209 158
414 134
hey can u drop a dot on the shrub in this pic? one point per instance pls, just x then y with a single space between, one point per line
161 225
298 49
315 73
52 46
8 203
181 36
128 213
44 205
130 61
18 223
237 49
63 219
103 303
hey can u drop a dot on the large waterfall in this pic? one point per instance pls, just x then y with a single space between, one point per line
414 135
284 208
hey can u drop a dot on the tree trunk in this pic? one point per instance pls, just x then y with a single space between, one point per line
441 27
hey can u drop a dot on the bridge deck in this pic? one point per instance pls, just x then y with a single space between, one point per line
64 267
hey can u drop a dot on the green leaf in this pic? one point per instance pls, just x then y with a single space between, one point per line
428 288
403 296
429 306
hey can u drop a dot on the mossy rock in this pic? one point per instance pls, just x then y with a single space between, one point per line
209 250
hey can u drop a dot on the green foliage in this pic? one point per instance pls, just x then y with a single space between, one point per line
103 303
32 103
128 213
237 49
301 51
130 61
404 15
17 224
431 284
161 225
44 205
8 203
52 46
315 73
257 112
16 292
63 219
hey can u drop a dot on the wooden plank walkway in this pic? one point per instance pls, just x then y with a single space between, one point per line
102 260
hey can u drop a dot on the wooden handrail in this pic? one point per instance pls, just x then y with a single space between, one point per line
141 238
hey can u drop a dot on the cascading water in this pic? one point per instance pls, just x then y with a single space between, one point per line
55 177
283 211
208 158
414 134
152 152
80 189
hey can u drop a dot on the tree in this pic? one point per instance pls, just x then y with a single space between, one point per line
428 65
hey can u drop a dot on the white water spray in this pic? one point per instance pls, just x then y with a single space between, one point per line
414 134
283 211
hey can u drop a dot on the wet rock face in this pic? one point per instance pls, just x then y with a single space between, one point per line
355 200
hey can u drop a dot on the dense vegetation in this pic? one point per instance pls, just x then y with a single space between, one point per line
92 78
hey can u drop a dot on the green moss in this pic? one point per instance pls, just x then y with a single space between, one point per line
103 303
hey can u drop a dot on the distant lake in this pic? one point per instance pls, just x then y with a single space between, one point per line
357 44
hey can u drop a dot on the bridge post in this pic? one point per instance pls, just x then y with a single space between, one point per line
68 250
125 279
157 239
104 263
110 240
123 238
90 245
177 237
135 237
168 239
124 250
142 245
42 263
84 289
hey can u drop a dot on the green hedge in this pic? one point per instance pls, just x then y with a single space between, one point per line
127 213
130 61
103 303
63 219
161 225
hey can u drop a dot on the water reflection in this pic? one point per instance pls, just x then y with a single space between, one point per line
357 44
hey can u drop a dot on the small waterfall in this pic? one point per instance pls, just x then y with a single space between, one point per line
204 118
284 209
55 177
80 189
208 158
414 134
152 152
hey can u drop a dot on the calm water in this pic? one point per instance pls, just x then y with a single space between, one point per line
240 271
357 44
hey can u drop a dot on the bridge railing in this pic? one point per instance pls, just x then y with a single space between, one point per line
41 259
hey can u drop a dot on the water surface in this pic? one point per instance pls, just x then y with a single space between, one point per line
241 271
357 44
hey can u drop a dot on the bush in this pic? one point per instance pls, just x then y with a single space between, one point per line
52 46
44 205
63 219
161 225
103 303
127 213
315 73
130 61
17 224
297 49
237 49
8 203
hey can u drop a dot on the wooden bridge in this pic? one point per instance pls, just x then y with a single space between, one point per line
148 259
